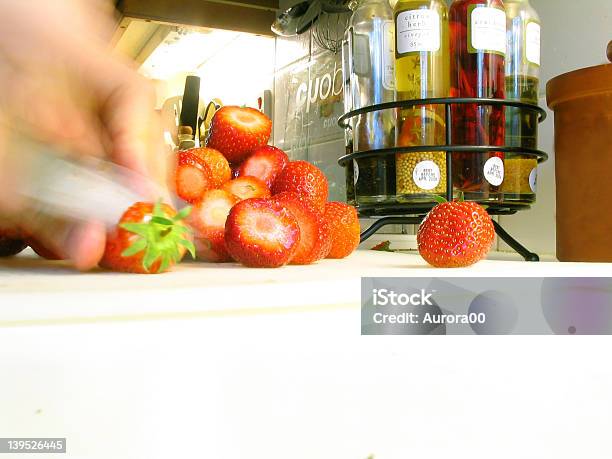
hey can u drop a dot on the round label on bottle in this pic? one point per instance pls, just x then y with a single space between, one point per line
494 171
533 179
426 175
355 172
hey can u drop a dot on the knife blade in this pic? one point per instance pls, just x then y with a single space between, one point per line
87 189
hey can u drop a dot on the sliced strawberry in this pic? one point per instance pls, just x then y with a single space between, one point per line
305 179
344 229
193 177
314 241
247 187
237 131
216 162
261 233
148 239
207 219
265 163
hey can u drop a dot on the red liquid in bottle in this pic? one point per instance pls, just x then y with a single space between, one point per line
477 70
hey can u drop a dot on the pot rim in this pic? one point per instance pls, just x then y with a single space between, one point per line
577 84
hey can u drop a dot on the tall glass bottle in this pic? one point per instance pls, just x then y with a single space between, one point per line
348 133
421 71
478 49
370 68
522 84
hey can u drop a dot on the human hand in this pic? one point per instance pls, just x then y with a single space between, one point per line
62 86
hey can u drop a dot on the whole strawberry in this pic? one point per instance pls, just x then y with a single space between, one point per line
343 227
305 179
149 238
455 234
237 131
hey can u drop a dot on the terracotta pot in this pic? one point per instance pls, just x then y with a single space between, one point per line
582 102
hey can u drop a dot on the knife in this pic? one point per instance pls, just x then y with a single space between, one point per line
87 189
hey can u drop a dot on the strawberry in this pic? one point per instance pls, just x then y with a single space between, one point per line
314 242
247 187
149 238
236 131
11 242
192 177
216 162
261 233
455 234
344 230
384 246
305 179
265 163
207 219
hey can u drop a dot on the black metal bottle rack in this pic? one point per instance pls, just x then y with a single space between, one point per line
413 213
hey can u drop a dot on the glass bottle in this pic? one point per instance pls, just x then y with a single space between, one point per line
478 49
348 133
522 84
421 71
370 68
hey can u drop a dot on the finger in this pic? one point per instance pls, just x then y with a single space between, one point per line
82 243
47 108
129 119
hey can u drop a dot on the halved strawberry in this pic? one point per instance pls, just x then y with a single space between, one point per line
247 187
216 162
207 219
237 131
261 233
192 177
314 241
265 163
148 239
344 230
305 179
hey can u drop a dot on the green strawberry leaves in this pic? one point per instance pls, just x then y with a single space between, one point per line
162 238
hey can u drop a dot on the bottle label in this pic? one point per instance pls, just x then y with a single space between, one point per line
532 42
426 175
487 30
494 171
417 31
533 179
388 56
355 172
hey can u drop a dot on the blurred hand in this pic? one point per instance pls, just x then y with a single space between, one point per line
61 85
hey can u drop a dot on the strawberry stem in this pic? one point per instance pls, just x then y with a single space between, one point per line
162 238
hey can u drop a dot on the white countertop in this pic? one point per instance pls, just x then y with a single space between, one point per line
34 290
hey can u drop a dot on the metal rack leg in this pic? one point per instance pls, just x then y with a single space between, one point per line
384 221
517 246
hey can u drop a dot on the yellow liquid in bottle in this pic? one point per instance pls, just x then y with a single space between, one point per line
421 71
